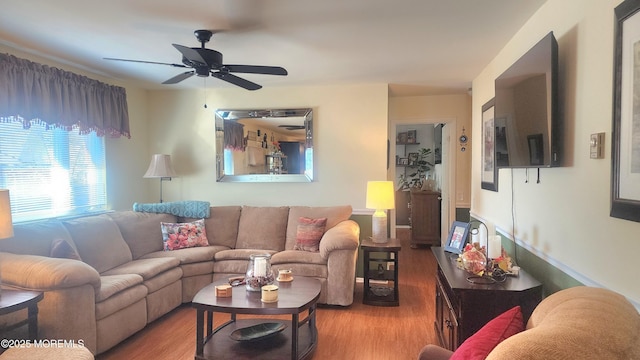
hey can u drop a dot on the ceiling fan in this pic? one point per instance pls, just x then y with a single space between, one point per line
205 62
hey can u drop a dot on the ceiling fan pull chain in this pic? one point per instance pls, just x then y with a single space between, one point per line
204 80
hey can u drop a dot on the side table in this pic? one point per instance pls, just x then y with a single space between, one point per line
14 300
381 295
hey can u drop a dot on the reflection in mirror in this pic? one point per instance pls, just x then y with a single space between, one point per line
266 145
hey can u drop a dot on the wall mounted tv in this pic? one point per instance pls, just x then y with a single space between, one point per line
526 109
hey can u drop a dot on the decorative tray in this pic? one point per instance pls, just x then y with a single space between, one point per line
257 332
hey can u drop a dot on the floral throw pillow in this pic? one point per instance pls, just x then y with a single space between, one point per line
309 233
183 235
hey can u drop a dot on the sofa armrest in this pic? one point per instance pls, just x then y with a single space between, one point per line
343 236
43 273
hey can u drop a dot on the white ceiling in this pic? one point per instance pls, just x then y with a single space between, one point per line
417 46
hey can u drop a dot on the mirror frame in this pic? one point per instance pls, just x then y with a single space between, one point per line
231 114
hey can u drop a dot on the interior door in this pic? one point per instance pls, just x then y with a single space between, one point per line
445 186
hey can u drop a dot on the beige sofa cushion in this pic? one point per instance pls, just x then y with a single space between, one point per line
577 323
141 231
113 284
221 225
35 238
147 268
99 242
262 228
334 215
71 352
188 255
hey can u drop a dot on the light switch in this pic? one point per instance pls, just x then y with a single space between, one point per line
596 146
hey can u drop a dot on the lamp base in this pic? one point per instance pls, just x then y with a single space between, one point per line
379 227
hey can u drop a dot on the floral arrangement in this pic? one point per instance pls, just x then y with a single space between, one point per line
474 260
504 262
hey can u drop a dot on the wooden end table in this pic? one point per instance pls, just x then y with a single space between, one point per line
298 341
381 295
14 300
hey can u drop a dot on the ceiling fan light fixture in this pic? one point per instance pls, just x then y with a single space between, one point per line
208 62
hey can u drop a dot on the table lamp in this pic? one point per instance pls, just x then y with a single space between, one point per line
380 196
160 167
6 223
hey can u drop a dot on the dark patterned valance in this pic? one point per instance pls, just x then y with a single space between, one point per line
31 92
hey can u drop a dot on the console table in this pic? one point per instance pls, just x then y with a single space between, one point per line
462 308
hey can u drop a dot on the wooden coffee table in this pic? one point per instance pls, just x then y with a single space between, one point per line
297 341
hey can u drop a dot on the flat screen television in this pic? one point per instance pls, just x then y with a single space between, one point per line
526 109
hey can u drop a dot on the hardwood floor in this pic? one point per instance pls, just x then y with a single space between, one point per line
355 332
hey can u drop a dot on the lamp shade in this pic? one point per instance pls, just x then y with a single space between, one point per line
160 167
6 223
380 195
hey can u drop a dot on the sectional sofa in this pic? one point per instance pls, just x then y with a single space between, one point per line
107 276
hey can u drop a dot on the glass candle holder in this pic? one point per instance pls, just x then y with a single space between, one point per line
259 272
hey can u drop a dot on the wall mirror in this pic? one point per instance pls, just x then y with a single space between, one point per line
264 145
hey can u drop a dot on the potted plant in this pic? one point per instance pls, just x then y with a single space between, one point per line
419 170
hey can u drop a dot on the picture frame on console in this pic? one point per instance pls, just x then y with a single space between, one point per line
625 157
457 238
489 173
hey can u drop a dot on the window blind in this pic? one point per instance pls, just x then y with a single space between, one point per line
51 172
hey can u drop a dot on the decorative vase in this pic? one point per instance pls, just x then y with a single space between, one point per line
474 261
259 272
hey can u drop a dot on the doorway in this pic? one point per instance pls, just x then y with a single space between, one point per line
410 139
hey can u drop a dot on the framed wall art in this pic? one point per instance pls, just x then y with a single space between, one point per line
489 171
625 154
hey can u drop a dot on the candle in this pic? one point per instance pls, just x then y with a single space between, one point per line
491 228
475 236
482 236
269 293
495 246
260 267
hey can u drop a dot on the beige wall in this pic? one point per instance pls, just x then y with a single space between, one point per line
565 219
350 134
437 109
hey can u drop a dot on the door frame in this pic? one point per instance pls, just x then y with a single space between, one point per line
451 176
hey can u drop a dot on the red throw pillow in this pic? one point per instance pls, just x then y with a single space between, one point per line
480 344
309 233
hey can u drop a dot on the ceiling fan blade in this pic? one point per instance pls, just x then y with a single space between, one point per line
230 78
148 62
190 54
176 79
256 69
292 127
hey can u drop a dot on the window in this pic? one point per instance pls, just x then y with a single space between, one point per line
51 172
